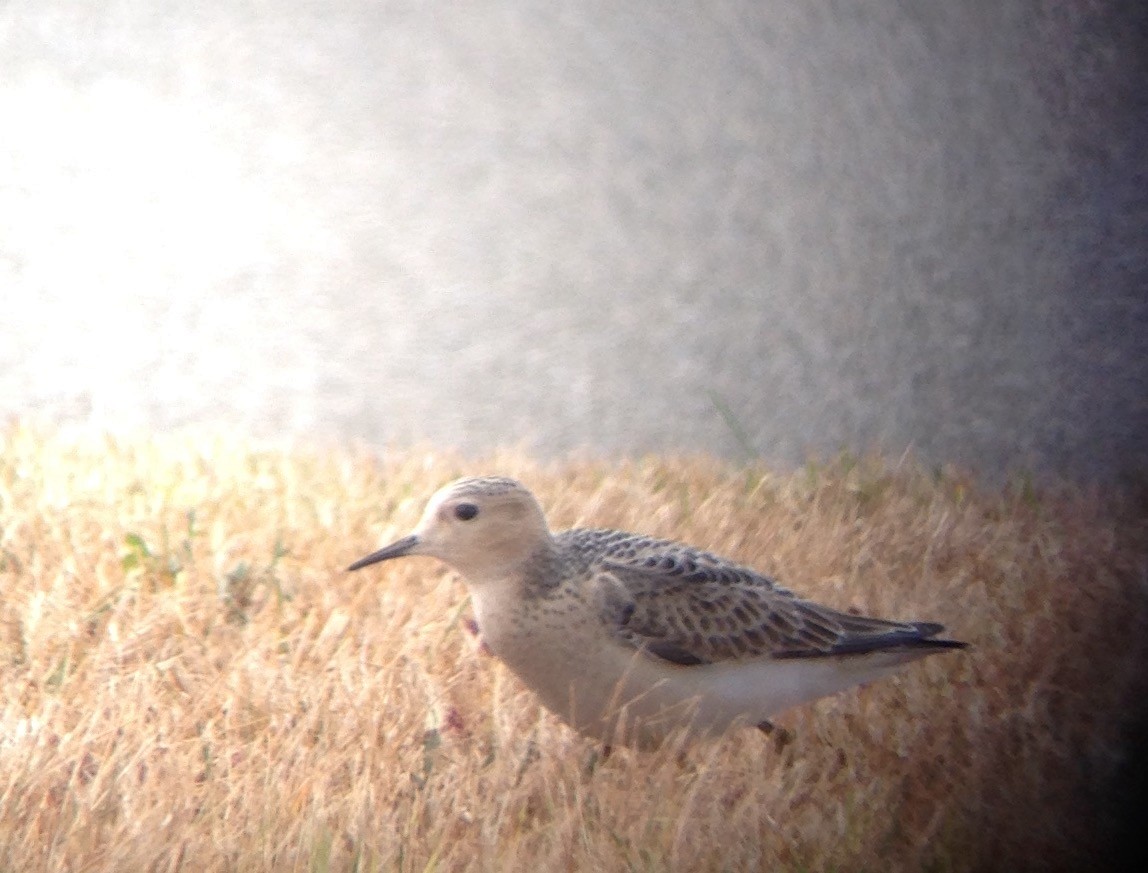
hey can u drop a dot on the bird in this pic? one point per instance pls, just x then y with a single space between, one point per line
628 638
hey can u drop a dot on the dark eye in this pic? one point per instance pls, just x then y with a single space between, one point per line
465 511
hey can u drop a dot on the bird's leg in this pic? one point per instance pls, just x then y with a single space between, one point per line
782 737
471 627
596 758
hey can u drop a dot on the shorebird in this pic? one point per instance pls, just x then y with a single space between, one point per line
627 637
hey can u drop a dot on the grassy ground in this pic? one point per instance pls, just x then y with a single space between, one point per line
190 680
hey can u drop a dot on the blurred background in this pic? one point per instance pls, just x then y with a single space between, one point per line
732 227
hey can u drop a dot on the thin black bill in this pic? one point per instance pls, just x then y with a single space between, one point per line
394 550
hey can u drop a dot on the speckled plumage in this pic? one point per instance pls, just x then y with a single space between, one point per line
627 636
693 607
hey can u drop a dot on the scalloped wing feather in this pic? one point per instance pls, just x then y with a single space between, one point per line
692 607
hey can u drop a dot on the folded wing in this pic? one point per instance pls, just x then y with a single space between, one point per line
691 607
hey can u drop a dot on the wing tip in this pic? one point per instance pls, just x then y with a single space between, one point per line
929 630
921 637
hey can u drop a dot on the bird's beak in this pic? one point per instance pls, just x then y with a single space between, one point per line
405 546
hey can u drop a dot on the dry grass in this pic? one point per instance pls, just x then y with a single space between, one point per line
191 682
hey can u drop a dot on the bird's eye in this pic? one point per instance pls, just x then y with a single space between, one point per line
465 511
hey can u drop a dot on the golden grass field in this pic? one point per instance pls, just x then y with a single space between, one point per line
192 682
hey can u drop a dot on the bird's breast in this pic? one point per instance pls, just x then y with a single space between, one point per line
565 655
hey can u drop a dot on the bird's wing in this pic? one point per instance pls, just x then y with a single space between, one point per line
692 607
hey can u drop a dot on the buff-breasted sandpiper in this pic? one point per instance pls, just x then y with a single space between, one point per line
626 637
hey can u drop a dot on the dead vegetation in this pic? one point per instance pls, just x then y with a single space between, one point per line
191 681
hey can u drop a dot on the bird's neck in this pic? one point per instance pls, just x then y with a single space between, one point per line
515 582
